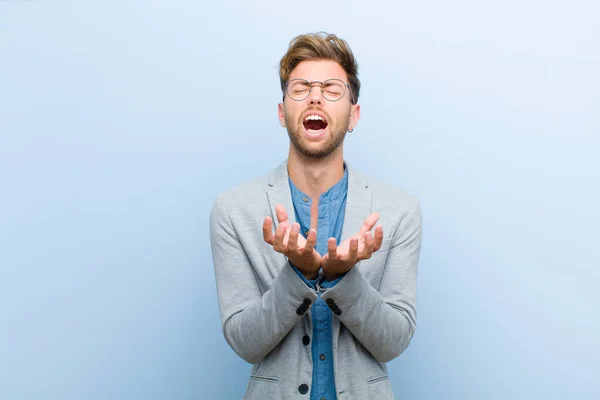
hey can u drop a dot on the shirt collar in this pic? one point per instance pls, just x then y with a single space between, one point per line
334 192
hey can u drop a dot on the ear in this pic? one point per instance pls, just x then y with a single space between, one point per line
354 116
281 114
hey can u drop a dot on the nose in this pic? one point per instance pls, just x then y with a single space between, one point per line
316 95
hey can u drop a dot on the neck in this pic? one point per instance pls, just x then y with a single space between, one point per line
315 176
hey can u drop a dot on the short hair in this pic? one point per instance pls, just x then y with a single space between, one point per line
320 46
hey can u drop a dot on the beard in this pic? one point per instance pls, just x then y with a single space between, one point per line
317 150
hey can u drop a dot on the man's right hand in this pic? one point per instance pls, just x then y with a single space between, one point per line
288 241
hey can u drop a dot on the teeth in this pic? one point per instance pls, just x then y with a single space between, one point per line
313 117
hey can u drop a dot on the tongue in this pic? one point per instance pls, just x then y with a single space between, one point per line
315 125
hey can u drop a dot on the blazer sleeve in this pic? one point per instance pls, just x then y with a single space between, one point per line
383 321
253 322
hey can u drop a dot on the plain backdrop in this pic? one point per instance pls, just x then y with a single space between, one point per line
120 121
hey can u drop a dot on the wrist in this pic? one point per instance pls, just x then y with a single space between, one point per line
332 276
309 273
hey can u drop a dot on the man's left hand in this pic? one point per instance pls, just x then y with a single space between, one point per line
340 259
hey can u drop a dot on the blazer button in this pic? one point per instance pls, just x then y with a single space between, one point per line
303 389
302 309
306 340
330 301
307 302
337 311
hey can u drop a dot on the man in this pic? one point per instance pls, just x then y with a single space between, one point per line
323 302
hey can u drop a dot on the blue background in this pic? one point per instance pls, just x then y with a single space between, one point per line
121 121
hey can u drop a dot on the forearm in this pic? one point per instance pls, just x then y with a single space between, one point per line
259 326
384 328
254 318
382 314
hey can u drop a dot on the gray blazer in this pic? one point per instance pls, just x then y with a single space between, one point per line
264 305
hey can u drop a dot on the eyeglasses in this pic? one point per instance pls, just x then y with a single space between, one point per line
332 89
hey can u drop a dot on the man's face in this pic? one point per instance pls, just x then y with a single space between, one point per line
317 126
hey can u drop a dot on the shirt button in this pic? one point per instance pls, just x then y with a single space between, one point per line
322 357
303 389
306 232
305 199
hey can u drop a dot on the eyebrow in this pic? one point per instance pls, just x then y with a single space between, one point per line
325 82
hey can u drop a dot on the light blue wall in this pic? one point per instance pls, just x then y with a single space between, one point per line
121 121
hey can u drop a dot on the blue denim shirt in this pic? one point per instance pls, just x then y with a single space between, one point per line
332 207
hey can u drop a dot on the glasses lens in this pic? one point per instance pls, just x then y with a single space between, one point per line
298 89
333 89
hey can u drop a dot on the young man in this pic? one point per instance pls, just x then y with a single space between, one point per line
323 302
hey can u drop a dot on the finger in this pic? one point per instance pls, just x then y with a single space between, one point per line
332 249
292 244
325 262
368 223
378 238
367 249
314 215
268 230
278 243
286 237
281 213
353 252
311 239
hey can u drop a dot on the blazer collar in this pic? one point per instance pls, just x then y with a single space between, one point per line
358 202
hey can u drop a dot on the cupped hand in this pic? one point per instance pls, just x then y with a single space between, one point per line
340 259
289 242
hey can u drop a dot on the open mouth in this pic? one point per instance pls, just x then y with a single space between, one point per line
314 124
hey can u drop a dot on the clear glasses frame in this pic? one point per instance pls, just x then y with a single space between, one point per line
323 91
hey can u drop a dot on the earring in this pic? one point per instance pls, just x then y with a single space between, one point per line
350 130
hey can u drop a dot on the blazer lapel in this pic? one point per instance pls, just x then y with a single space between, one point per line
278 192
358 203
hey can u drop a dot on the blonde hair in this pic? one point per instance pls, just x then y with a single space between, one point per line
320 46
